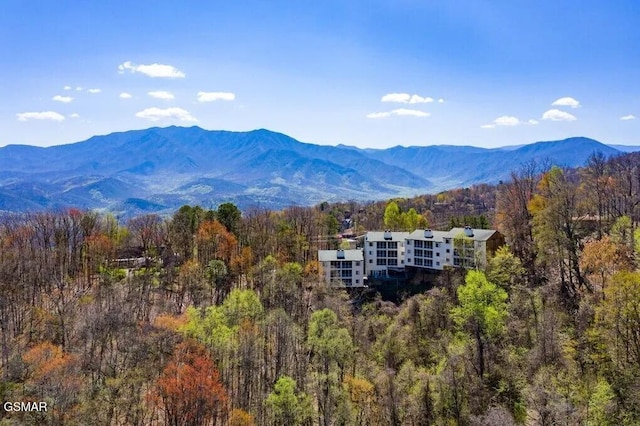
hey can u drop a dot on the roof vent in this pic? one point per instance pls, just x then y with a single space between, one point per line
428 233
340 254
387 235
468 231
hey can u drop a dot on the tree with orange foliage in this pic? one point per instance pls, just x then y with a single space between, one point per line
240 417
189 390
215 242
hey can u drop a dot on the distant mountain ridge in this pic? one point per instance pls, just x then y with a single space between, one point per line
160 169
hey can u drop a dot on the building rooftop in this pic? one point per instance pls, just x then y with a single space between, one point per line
330 255
478 234
380 236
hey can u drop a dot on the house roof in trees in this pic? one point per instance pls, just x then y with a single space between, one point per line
329 255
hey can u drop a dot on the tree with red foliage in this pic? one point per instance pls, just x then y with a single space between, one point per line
189 389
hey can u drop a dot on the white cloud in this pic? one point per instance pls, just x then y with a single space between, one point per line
401 112
557 115
567 101
402 98
95 90
215 96
63 99
628 117
441 101
155 114
74 115
152 70
45 115
417 99
405 98
125 95
67 87
79 89
378 115
161 94
508 121
410 112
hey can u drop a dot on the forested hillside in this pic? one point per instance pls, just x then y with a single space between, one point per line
213 317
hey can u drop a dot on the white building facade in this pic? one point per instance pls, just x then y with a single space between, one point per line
459 247
383 251
342 268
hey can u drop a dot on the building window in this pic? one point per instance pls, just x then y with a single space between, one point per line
381 245
437 245
428 262
428 253
437 263
418 261
409 251
347 272
428 244
357 281
357 272
381 261
392 245
409 260
448 250
346 264
408 242
370 244
402 261
437 254
393 262
392 253
419 244
419 252
370 260
335 264
382 253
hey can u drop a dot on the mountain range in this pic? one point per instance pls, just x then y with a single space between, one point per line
160 169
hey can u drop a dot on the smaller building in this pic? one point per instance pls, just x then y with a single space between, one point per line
342 268
384 251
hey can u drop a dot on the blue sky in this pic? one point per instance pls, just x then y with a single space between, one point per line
366 73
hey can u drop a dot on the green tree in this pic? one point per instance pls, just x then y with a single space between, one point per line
393 217
412 220
229 215
505 269
482 310
285 406
331 350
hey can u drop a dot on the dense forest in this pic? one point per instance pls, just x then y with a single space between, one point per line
219 317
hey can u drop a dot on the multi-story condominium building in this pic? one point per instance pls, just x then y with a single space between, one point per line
388 251
459 247
342 268
384 251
